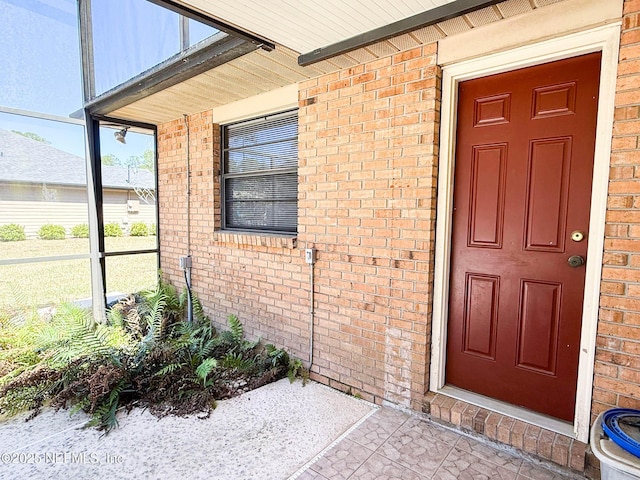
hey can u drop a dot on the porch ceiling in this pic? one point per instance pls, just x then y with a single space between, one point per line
307 24
254 73
301 27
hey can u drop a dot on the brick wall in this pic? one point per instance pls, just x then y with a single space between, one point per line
617 375
367 203
262 280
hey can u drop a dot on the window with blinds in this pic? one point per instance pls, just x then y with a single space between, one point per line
260 174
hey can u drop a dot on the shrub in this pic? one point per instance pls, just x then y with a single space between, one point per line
112 230
80 231
152 229
139 229
52 232
144 354
12 233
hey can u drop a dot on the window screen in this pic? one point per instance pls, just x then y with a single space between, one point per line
260 174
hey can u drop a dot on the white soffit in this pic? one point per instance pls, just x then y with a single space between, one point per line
252 74
305 25
259 72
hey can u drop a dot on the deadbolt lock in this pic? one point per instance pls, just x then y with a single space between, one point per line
577 236
575 261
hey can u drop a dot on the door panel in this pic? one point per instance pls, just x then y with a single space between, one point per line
481 316
538 325
524 166
487 196
547 192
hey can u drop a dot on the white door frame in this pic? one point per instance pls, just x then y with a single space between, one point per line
606 40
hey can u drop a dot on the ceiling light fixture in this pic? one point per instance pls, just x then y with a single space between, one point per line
120 134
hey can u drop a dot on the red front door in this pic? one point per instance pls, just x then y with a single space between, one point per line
523 173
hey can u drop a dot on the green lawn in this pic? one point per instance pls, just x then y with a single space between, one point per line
46 283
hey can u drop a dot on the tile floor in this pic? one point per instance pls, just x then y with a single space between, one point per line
391 444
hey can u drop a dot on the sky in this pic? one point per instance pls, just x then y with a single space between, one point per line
41 69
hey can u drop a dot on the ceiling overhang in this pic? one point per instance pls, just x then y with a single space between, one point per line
184 9
400 27
173 71
228 44
252 74
247 70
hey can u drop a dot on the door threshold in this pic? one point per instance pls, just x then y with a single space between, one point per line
519 413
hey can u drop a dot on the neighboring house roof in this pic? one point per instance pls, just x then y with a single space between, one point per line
29 161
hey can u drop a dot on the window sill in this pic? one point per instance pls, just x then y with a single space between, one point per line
256 239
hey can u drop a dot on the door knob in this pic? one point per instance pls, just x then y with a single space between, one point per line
575 261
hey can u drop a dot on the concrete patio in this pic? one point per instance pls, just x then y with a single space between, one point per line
280 431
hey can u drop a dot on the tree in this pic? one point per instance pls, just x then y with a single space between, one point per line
149 162
33 136
146 161
110 159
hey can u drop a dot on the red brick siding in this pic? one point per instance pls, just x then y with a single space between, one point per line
554 447
368 165
617 369
263 281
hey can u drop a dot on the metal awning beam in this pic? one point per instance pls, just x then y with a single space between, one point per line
421 20
222 47
176 70
217 24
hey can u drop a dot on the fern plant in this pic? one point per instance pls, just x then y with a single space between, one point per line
155 319
297 370
144 353
16 342
29 391
276 355
72 333
169 369
104 416
236 361
236 329
205 368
